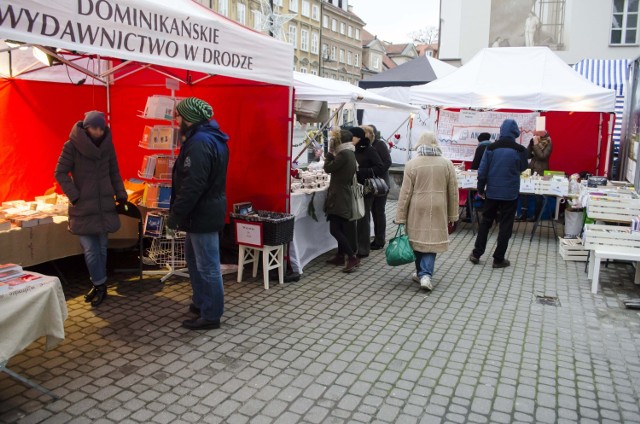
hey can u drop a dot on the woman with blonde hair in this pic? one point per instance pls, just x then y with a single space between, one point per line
428 201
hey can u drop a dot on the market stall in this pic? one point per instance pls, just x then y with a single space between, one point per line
311 231
112 57
578 113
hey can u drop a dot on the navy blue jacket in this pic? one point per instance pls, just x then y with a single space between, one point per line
500 168
198 190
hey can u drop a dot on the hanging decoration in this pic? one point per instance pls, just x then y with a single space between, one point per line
274 22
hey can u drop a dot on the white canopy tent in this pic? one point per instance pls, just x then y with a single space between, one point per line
312 87
529 78
578 113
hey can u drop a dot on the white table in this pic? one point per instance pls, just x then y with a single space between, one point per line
28 312
311 238
622 253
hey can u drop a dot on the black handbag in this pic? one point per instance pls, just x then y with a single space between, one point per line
376 186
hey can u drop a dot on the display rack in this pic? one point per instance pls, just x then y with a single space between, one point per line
166 252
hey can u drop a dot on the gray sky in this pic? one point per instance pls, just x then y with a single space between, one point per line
393 21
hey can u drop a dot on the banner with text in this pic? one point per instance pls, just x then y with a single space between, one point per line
176 33
458 131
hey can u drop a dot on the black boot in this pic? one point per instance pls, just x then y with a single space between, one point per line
92 293
100 294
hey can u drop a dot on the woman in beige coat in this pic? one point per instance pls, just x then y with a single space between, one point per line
428 201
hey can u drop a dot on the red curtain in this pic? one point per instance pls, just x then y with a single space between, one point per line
575 141
35 121
37 118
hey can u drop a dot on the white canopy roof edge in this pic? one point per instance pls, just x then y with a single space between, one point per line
312 87
530 78
174 33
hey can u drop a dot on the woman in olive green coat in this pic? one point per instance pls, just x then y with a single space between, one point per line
341 164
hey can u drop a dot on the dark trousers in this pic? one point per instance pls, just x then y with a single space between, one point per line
364 227
379 219
343 231
507 210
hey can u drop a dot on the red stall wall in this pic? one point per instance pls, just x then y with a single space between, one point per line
35 121
33 128
575 141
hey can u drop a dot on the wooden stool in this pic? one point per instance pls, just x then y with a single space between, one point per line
272 257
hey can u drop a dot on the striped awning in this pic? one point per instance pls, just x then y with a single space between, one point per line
608 73
613 73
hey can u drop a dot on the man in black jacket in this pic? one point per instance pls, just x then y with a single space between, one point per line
199 206
499 185
379 202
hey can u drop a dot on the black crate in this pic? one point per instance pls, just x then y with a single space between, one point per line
277 227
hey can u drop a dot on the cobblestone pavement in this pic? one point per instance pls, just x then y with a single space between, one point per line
370 346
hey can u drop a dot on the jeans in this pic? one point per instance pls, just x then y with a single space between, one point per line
507 209
95 256
202 252
379 219
425 263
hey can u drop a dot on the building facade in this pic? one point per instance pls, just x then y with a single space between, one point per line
341 42
574 29
325 34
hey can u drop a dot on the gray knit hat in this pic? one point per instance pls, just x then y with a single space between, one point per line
194 110
94 118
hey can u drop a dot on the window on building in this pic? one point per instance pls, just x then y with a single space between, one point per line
223 7
333 52
375 62
315 12
356 60
624 23
293 5
314 72
277 2
303 70
293 35
349 58
304 40
334 25
429 53
325 51
241 14
341 55
315 42
350 31
343 28
357 33
257 20
325 22
306 8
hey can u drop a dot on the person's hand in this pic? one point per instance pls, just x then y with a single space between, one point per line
536 139
170 232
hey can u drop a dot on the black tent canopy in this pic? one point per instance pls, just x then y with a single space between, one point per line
414 72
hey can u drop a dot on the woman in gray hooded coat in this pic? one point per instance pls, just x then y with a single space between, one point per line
88 173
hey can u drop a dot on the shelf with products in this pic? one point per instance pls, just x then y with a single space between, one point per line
156 168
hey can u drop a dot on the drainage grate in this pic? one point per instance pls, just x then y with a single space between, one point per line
548 300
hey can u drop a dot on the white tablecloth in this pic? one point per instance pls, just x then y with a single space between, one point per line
311 238
30 311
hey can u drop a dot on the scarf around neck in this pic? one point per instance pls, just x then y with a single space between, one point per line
345 146
425 150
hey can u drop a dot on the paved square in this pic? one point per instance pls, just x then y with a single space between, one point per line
369 346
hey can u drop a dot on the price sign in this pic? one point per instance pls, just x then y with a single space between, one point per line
249 233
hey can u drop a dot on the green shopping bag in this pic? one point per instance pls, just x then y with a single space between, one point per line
399 251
